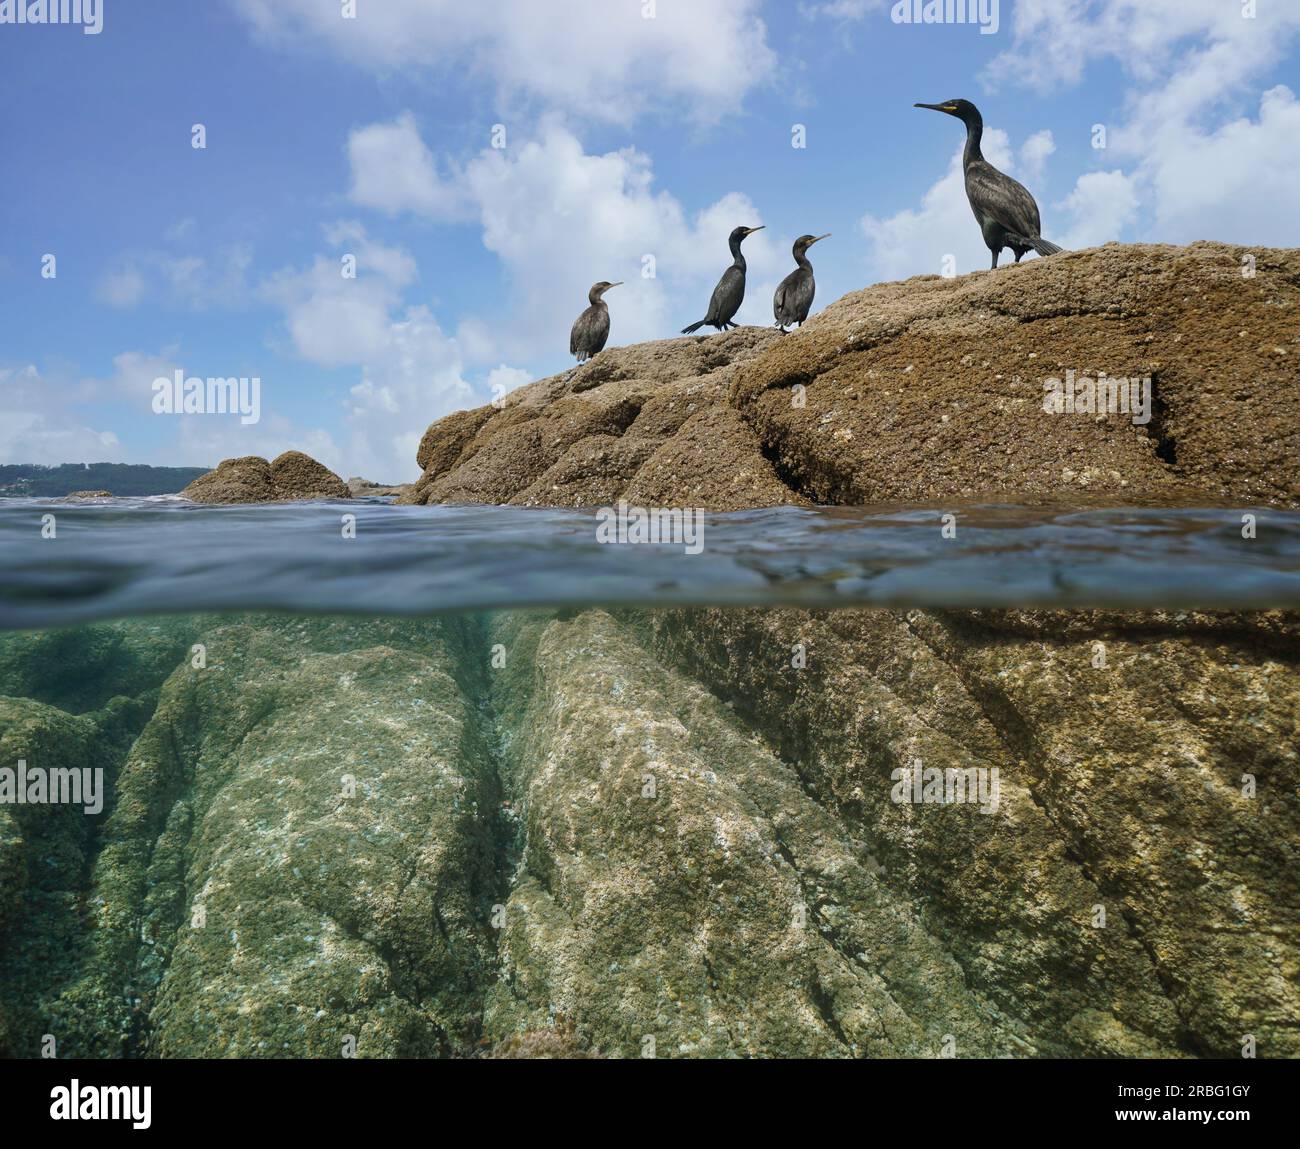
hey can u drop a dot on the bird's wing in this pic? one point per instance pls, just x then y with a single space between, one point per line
807 288
778 300
1003 199
722 294
573 335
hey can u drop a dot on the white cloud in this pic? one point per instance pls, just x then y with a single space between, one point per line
1034 153
1103 205
180 280
393 171
42 426
600 59
840 9
204 440
504 379
916 241
1195 165
1206 45
559 219
411 372
123 288
1239 183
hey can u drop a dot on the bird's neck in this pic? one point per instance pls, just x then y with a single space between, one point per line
594 298
738 260
802 260
974 133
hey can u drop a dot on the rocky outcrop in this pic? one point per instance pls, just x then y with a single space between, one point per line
360 488
923 391
251 479
671 833
647 421
295 860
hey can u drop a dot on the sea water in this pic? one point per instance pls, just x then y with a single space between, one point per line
356 779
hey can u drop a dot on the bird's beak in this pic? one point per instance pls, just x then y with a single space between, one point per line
751 230
820 238
949 108
618 284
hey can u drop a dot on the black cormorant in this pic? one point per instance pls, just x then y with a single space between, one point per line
795 295
730 292
591 328
1007 213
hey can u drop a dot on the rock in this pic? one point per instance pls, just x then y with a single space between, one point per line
360 488
542 1044
923 391
280 888
581 438
89 495
1124 791
251 479
649 832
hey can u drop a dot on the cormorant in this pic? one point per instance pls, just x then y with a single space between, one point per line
795 295
730 292
1007 213
591 328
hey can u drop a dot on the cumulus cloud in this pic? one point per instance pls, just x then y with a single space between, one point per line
410 371
918 241
1239 183
177 279
394 172
204 440
603 60
559 219
42 425
1198 161
1205 47
840 9
1102 206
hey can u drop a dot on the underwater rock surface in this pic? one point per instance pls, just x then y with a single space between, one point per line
668 831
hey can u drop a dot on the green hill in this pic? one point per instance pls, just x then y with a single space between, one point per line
123 479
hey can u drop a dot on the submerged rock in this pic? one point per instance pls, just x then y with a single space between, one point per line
251 479
926 390
673 833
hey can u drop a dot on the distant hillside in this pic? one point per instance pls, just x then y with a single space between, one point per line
121 478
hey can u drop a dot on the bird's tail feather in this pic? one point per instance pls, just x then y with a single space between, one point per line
1042 246
694 327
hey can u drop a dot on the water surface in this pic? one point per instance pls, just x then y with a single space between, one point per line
128 557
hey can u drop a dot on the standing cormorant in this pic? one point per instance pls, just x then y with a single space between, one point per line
730 292
1007 213
794 297
591 328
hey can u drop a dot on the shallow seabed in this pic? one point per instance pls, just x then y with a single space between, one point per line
703 831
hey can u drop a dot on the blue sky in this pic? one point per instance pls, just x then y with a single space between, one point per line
625 136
